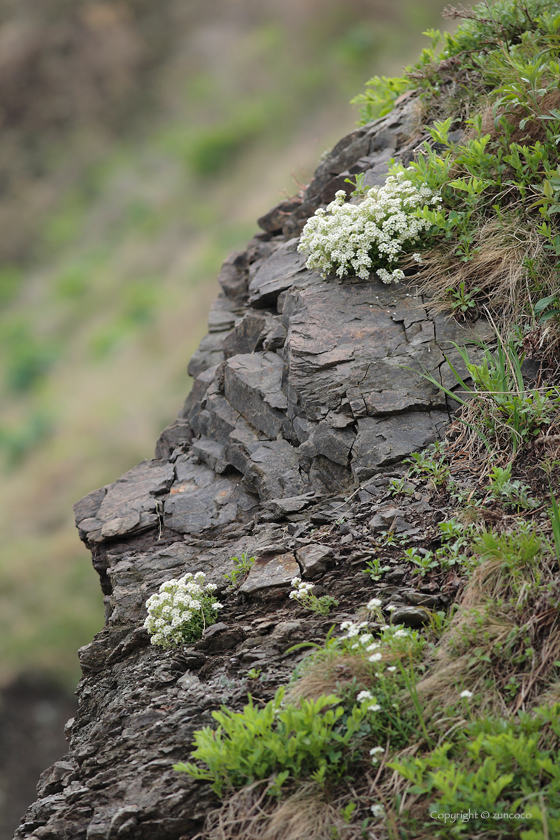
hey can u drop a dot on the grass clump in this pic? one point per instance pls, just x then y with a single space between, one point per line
497 780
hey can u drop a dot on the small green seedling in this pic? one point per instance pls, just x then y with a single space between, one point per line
241 568
254 673
374 569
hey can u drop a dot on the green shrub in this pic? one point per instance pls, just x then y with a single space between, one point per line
312 739
495 768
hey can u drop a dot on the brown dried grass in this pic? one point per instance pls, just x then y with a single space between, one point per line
497 269
250 814
490 611
329 676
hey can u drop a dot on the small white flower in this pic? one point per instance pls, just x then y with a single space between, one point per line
467 694
378 810
373 603
296 581
391 608
392 668
376 657
364 695
375 707
375 750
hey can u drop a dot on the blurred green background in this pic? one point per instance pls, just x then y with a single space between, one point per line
140 140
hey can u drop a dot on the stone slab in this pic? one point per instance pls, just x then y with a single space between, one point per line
270 572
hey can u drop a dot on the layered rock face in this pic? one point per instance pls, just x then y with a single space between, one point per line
308 393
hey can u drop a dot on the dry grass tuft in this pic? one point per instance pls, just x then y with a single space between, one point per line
462 662
250 814
498 269
485 647
330 675
326 675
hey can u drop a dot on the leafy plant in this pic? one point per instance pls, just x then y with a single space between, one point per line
400 485
429 463
241 568
374 569
514 552
542 308
462 300
495 769
284 739
514 492
360 189
254 673
555 522
379 97
423 559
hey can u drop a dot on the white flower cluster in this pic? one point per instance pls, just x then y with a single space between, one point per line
301 591
365 696
355 238
360 641
181 609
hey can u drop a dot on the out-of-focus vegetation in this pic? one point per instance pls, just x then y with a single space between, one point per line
139 142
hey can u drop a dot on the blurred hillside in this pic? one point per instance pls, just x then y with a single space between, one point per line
139 142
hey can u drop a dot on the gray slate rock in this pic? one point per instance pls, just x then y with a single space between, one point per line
220 637
410 616
384 441
276 274
314 559
270 573
252 385
274 471
199 500
129 505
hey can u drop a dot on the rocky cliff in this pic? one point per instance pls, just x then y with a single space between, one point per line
307 395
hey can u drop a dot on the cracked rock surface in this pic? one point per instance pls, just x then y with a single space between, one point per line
308 392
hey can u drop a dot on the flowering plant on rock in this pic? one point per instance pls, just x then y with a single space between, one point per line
303 593
182 610
371 235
